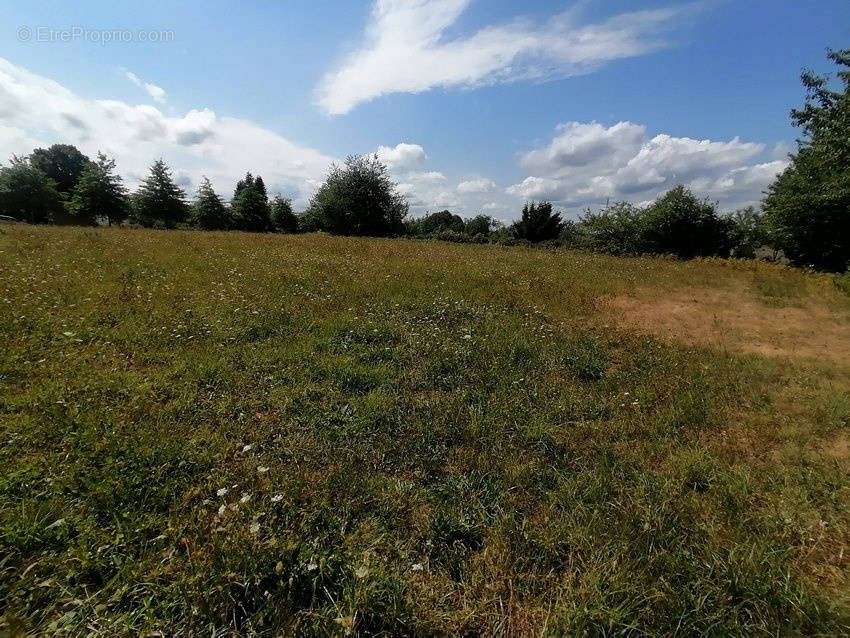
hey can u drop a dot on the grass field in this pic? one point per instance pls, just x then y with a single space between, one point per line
214 434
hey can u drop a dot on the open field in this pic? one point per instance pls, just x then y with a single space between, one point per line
212 433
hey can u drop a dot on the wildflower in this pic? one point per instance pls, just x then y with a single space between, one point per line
245 498
277 498
417 567
221 491
255 528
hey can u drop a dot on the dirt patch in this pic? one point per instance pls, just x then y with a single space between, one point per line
838 448
732 321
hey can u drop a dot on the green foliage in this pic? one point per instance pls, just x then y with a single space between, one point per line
617 229
208 209
538 223
226 435
99 193
679 224
748 232
27 194
250 205
283 217
433 224
481 225
63 163
808 206
359 198
158 200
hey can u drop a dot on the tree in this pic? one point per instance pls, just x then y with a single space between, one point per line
99 193
27 194
808 206
359 198
748 233
63 163
159 201
481 225
538 223
250 205
208 209
433 224
283 218
679 224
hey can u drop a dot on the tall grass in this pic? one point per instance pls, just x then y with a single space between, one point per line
223 434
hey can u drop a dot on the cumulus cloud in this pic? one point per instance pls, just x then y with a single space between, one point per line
408 49
156 92
587 163
402 155
36 111
480 185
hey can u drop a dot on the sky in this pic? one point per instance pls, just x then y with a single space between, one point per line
474 105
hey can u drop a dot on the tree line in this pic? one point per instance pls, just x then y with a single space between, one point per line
805 213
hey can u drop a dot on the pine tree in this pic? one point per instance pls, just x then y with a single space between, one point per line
538 223
159 201
99 193
283 217
250 205
208 210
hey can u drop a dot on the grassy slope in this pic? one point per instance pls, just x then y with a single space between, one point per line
415 438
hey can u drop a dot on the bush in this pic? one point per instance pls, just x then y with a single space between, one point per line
359 199
680 224
617 230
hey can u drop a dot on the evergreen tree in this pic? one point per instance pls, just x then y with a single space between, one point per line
283 218
260 185
99 193
807 208
159 201
250 205
538 223
208 210
27 194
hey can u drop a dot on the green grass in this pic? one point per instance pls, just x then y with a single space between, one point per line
216 434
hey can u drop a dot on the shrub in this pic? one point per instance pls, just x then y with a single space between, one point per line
618 229
680 224
359 198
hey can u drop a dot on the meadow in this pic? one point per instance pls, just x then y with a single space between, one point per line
234 433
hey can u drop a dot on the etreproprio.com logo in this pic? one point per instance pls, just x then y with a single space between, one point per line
99 36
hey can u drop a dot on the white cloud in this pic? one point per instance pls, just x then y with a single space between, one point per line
427 176
156 92
36 111
587 163
402 155
408 49
480 185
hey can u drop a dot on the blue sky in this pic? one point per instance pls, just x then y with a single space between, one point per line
476 105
